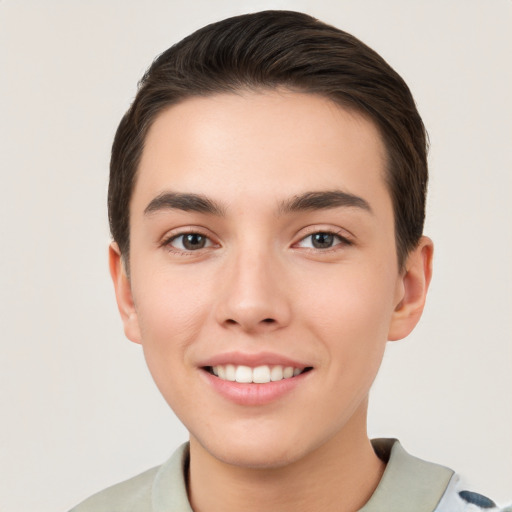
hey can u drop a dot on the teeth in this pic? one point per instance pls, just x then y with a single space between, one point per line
243 374
261 374
230 372
276 373
288 372
258 375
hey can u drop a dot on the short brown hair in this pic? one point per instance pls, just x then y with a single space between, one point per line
273 49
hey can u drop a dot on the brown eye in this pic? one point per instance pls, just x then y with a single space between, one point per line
190 242
322 240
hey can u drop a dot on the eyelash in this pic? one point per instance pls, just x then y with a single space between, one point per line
168 242
341 240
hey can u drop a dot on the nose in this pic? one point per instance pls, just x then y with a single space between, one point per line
253 293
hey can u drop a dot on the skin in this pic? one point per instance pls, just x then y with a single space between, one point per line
260 284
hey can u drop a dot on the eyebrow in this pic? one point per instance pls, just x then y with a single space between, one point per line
186 202
323 200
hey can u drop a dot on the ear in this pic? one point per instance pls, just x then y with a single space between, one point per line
412 290
123 291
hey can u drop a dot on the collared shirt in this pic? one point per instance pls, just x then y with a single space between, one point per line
408 484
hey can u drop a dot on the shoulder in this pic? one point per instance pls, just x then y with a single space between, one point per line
160 488
410 483
133 495
459 499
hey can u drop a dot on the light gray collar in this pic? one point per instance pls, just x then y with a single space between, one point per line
408 483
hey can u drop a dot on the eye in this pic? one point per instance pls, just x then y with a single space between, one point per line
189 242
322 240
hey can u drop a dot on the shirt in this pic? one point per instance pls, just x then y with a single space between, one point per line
408 484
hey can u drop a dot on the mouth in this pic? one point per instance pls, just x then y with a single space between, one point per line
254 379
263 374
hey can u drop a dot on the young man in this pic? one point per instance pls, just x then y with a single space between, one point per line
266 202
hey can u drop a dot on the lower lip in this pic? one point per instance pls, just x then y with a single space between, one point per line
254 394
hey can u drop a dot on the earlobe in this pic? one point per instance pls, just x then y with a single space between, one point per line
413 286
123 292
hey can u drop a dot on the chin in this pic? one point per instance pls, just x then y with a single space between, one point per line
255 452
258 458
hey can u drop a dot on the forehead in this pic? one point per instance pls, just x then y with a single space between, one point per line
260 144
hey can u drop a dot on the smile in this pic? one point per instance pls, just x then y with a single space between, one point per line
258 375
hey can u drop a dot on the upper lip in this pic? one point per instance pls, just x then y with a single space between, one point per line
252 360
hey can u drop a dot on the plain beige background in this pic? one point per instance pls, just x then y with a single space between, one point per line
78 408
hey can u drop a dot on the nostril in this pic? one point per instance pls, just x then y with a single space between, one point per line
250 324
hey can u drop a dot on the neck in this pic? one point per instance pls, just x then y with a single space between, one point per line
340 475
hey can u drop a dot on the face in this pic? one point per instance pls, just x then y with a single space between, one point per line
263 271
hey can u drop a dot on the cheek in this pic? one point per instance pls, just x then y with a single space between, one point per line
168 321
171 312
352 303
351 317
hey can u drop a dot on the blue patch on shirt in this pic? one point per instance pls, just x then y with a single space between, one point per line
477 499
